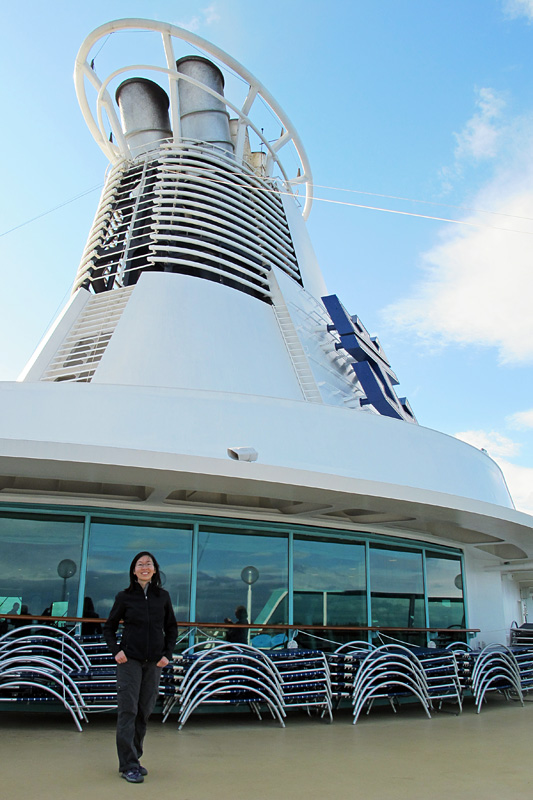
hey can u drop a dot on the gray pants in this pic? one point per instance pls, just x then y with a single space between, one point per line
137 690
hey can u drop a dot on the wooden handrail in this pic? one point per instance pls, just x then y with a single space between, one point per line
252 626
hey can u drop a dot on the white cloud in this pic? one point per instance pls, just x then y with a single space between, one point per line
493 442
521 420
207 16
519 8
480 136
519 479
191 24
211 14
477 282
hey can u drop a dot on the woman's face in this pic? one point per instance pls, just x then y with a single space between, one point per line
144 570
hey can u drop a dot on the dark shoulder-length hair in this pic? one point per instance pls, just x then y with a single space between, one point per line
156 577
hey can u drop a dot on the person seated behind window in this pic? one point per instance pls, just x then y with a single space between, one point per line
238 635
89 611
19 623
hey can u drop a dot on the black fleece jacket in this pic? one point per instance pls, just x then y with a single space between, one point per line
150 627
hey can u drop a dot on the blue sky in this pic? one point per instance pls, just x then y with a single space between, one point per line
430 101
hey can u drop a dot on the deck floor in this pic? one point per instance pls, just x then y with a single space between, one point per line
235 757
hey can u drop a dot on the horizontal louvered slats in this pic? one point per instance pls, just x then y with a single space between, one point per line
193 211
83 348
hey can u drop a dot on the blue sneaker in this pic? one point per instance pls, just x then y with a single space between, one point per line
133 776
143 770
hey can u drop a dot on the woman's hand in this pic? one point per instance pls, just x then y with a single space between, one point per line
163 661
121 657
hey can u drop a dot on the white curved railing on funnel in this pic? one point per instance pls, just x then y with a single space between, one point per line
84 71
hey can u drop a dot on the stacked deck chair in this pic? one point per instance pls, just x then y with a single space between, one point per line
39 664
495 668
305 680
228 674
176 669
462 653
392 672
98 683
524 659
442 676
522 635
343 664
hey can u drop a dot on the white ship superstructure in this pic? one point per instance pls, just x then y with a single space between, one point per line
202 380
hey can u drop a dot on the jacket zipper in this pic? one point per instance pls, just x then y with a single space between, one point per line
148 625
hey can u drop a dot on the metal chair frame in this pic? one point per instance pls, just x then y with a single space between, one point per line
382 672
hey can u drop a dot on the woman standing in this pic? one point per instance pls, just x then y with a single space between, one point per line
148 639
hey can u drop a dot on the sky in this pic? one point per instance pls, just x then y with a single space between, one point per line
411 112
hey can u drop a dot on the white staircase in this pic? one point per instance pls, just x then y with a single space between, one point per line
82 350
296 352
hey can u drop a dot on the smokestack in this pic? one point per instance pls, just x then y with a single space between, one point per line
144 114
203 116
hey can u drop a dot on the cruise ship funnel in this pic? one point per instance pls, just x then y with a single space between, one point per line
203 116
144 114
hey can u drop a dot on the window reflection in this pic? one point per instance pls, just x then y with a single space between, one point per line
235 568
111 549
445 591
329 583
397 583
43 556
221 587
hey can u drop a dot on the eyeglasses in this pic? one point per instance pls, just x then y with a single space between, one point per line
144 564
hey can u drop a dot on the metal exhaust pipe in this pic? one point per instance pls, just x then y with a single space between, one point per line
144 114
203 116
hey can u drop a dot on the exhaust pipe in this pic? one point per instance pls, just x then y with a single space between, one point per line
144 114
203 116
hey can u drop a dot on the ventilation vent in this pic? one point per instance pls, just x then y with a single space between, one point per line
82 350
73 488
194 211
199 497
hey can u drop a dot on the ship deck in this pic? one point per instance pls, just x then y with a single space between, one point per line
236 757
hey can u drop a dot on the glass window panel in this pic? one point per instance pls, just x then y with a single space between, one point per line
397 588
43 556
445 591
329 583
222 557
280 614
112 545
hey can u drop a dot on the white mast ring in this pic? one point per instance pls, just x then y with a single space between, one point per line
104 102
